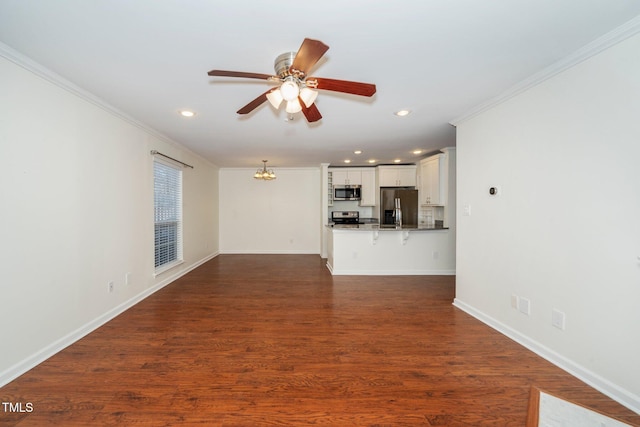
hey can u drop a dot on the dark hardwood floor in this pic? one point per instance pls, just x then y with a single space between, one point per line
249 340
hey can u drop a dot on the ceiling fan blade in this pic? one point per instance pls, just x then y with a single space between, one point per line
254 104
223 73
355 88
309 53
311 113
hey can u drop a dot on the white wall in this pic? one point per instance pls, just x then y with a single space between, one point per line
565 233
77 212
279 216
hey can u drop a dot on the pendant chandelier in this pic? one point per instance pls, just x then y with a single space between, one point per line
264 174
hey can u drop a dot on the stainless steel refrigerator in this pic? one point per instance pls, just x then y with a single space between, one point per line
396 203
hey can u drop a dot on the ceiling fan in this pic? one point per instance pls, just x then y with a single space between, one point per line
296 88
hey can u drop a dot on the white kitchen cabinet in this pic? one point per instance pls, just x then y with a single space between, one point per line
330 188
407 176
347 176
432 182
397 176
365 177
368 190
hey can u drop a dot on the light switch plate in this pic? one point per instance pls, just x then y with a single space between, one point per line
558 319
524 306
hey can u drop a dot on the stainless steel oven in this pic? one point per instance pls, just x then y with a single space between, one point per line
345 219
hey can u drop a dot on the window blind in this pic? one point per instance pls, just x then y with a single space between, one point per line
167 214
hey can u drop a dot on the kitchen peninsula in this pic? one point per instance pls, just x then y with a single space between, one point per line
359 233
374 250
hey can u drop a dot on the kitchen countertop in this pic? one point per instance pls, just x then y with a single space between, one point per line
376 227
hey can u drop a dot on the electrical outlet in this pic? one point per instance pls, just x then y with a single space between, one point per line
558 319
436 254
110 286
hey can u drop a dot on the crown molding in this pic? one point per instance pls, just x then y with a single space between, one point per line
52 77
39 70
602 43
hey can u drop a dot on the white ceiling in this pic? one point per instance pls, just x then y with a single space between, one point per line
439 58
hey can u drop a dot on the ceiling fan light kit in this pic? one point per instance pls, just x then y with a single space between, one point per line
293 107
275 98
289 90
308 96
296 88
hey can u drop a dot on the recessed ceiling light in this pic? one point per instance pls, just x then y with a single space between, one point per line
372 160
347 161
187 113
397 160
402 113
417 151
357 152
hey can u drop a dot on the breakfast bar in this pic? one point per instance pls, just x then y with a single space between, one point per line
374 250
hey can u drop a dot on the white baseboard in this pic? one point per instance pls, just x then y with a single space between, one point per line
35 359
269 252
620 395
330 267
367 272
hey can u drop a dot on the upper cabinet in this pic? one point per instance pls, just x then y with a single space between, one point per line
432 189
347 176
365 177
368 191
397 176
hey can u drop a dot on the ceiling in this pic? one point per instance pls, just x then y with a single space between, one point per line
438 58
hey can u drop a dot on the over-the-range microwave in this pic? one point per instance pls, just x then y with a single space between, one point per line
346 192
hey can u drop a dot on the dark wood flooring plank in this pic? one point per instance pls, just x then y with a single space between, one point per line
276 340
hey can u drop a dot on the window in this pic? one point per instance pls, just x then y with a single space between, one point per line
167 215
